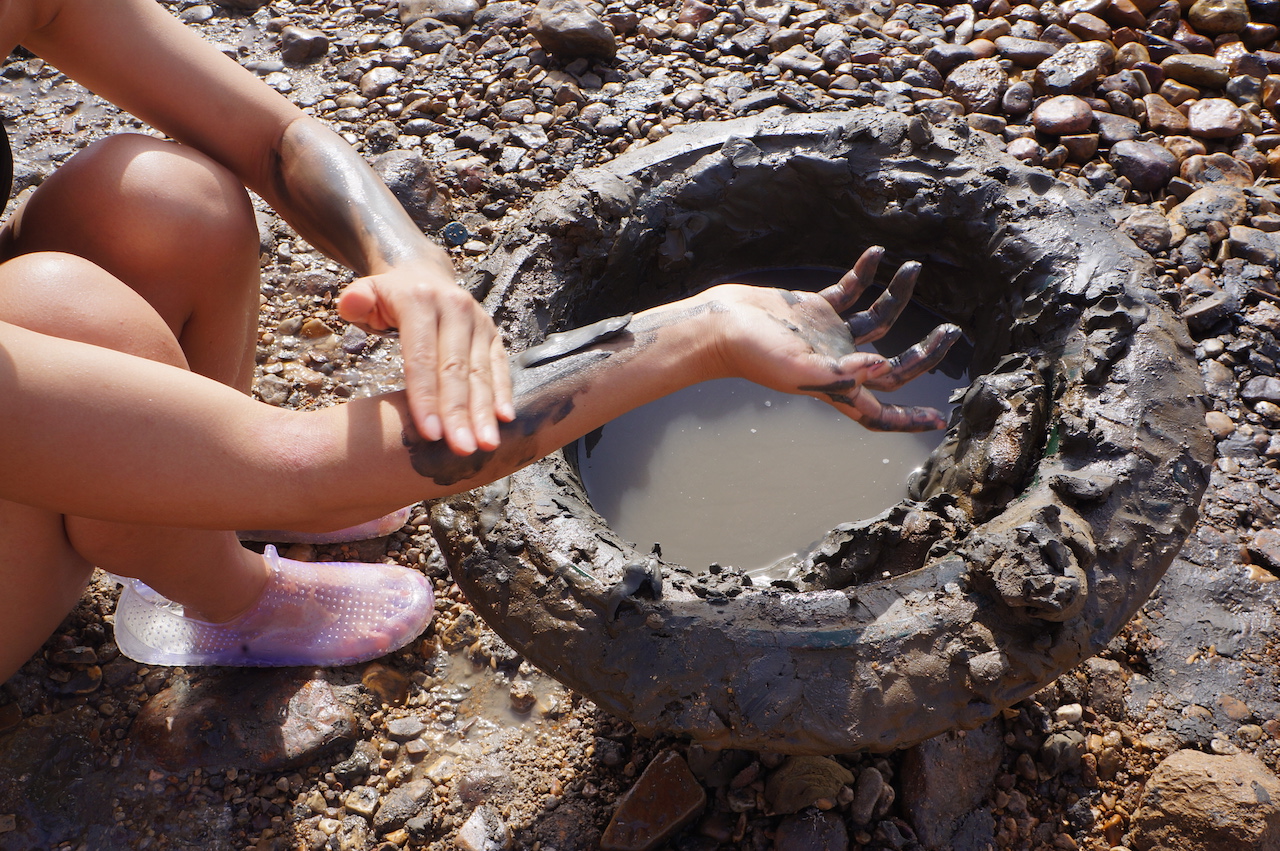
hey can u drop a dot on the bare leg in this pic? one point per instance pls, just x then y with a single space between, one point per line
180 231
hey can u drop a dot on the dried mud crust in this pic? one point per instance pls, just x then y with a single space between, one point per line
1061 493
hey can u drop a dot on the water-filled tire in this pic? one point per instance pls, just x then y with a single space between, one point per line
1066 484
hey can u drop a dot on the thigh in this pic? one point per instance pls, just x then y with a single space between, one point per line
66 296
174 226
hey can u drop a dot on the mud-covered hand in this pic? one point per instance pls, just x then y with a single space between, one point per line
455 366
802 342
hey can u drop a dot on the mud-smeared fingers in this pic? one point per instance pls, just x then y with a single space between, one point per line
874 322
903 418
843 294
918 359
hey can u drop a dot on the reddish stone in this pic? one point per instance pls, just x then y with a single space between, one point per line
664 800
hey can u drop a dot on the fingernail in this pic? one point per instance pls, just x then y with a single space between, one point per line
435 429
490 435
463 439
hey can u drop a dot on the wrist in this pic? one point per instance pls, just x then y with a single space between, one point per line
699 334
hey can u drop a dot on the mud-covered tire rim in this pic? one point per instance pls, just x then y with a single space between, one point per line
1061 493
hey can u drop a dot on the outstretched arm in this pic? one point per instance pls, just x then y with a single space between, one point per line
100 434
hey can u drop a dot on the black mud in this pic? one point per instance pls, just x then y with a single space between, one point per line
1062 492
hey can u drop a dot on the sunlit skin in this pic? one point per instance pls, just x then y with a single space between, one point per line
128 314
150 247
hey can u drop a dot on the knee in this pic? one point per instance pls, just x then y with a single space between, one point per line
178 187
152 195
66 296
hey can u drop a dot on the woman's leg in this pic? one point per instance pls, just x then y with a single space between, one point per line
66 296
172 275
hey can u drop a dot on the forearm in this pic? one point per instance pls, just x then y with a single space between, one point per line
331 196
99 434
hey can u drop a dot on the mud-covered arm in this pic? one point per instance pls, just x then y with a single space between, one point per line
455 365
214 458
134 53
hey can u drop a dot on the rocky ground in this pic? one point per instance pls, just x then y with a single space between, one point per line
1172 737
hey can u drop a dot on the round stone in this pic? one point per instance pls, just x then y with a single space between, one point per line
1214 168
1219 423
1062 115
1017 99
1026 149
1196 69
979 85
1147 165
1216 118
1217 17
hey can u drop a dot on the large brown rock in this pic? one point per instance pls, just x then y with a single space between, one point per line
1200 802
203 722
567 29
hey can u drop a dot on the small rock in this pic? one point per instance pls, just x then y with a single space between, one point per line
361 800
1194 69
1018 97
298 44
1218 17
389 686
412 800
484 830
1253 245
865 795
375 82
459 13
978 85
1266 546
1147 165
1261 388
798 59
1222 426
1062 115
1221 203
663 800
404 729
194 724
1162 116
1074 67
801 780
1216 168
1216 118
812 831
1061 752
945 777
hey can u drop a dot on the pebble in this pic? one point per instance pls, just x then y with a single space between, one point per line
484 830
811 831
663 800
866 793
1216 118
411 800
569 30
406 728
1062 115
1146 165
802 780
1220 425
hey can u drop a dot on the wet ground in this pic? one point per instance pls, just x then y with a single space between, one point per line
455 738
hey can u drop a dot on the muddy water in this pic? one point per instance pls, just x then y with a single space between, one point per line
733 473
